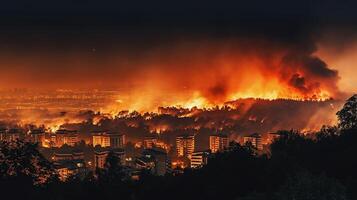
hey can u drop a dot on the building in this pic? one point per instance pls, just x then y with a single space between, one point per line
218 142
149 142
199 159
71 139
145 162
36 136
100 158
185 145
53 140
64 136
162 161
11 134
67 168
255 140
163 145
68 154
101 153
271 137
3 134
68 161
101 138
104 139
155 160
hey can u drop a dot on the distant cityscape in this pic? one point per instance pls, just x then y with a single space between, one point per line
72 156
60 99
76 130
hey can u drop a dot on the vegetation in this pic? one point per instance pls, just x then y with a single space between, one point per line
348 115
297 168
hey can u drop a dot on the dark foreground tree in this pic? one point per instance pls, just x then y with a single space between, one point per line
21 159
347 116
304 186
23 170
112 172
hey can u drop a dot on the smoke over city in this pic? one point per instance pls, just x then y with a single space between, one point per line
207 71
198 77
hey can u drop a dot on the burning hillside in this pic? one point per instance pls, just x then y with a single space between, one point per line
186 72
233 85
206 74
236 118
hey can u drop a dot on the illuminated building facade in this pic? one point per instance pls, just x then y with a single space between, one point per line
2 134
10 135
185 145
218 143
199 159
68 162
101 140
67 168
36 136
154 160
63 154
255 140
149 142
104 139
100 156
69 137
53 140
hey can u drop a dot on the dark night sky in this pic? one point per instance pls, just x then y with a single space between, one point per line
278 17
67 24
82 21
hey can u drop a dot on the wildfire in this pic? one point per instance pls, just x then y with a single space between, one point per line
276 94
202 75
54 128
197 100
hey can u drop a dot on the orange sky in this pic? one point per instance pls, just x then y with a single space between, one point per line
207 71
345 61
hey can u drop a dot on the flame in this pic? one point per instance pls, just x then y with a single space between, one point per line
196 100
53 128
270 91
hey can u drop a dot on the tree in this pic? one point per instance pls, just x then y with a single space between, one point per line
347 116
327 132
21 159
304 186
112 171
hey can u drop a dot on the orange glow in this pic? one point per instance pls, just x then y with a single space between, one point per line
212 74
195 74
178 164
344 60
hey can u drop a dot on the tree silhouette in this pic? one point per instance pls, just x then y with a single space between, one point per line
112 173
347 116
20 159
304 186
22 166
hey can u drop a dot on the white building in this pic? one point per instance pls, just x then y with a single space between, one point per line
218 143
113 140
199 159
185 145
